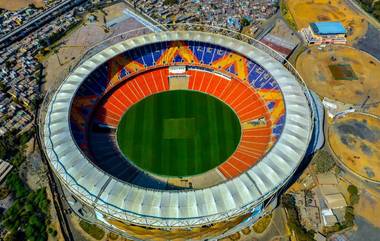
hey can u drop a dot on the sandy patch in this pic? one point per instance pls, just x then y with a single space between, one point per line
14 5
313 65
355 139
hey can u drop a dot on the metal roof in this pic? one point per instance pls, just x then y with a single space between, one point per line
327 28
182 207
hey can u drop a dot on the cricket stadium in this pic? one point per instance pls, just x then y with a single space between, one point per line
178 135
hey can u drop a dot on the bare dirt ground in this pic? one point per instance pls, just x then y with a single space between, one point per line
72 47
305 12
367 203
283 31
374 109
355 140
114 11
13 5
313 65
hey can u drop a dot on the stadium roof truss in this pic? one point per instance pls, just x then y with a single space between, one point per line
161 208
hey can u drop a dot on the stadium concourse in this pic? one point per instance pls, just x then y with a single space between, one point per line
85 135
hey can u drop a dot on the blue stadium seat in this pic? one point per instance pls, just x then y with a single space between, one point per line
134 55
107 156
219 53
277 129
157 50
208 54
231 69
100 75
178 59
148 56
254 74
198 50
123 74
270 105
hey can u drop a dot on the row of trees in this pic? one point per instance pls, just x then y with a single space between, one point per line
353 199
294 224
12 146
28 217
371 6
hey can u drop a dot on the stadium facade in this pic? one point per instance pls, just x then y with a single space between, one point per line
321 33
104 187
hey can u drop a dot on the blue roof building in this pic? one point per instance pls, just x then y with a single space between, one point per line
328 28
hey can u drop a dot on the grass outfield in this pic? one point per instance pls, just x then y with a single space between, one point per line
179 133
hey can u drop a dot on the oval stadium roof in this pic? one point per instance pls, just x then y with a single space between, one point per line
160 208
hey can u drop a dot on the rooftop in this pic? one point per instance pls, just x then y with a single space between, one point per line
327 28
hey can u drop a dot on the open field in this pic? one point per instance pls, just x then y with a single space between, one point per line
179 133
306 11
355 140
14 5
373 109
69 50
313 65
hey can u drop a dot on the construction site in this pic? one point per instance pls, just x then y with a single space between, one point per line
305 12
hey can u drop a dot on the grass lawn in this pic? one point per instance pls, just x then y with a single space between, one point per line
179 133
262 224
92 229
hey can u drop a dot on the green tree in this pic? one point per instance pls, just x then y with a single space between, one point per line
3 152
349 216
323 161
170 2
26 219
244 22
288 202
354 194
15 184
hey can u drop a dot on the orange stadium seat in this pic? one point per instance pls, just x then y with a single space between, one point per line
209 79
198 80
109 105
142 85
129 92
258 131
228 170
107 119
251 114
221 86
214 84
